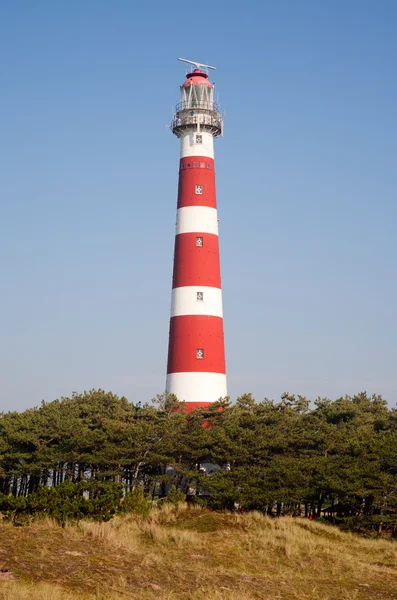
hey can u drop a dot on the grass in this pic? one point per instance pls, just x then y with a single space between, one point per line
194 554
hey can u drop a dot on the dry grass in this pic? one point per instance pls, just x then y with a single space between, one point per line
193 554
16 591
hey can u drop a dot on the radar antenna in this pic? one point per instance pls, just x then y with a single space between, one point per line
197 64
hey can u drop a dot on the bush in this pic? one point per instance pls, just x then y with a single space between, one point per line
175 496
65 502
137 502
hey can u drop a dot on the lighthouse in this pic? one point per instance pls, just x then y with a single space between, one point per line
196 370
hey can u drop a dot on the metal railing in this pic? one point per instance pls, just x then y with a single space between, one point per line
206 121
194 104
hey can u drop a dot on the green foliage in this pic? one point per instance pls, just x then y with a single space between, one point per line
137 502
175 496
93 455
66 502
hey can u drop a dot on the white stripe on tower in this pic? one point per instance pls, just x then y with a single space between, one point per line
184 301
196 370
197 218
190 148
197 386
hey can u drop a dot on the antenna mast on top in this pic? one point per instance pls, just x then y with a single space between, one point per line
197 64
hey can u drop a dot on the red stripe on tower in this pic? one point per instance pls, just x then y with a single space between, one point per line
196 371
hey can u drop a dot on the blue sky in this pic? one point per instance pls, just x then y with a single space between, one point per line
306 182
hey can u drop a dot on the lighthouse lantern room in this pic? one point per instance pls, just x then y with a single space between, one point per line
196 371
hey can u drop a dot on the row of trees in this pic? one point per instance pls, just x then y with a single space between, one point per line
336 458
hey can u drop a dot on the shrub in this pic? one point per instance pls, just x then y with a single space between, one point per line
137 502
65 502
175 496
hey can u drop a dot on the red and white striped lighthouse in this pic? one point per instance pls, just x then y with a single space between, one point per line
196 371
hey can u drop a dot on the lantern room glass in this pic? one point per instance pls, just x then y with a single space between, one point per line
197 96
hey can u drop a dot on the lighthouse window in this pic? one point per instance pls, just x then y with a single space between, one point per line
199 189
188 165
200 296
208 165
200 353
199 241
199 139
202 165
195 164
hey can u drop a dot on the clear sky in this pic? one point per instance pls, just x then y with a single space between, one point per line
306 183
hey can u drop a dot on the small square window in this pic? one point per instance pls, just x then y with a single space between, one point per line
199 189
208 165
200 296
188 165
200 353
195 164
202 165
199 139
183 165
199 241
